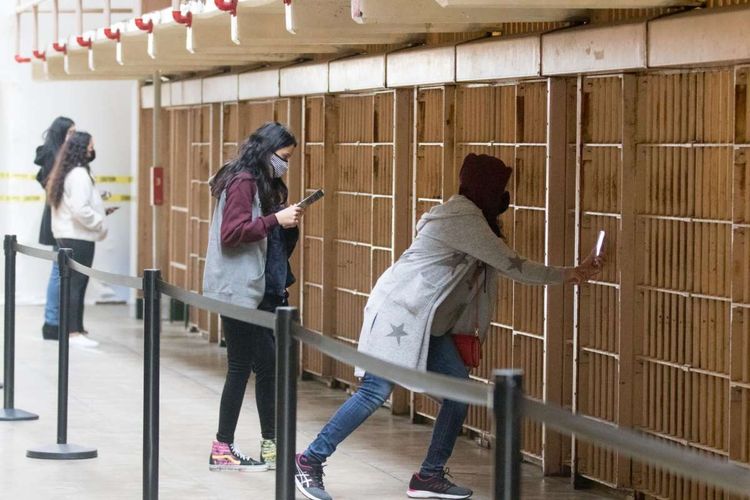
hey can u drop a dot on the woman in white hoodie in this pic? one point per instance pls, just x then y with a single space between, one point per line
78 215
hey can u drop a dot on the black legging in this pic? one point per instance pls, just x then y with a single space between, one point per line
250 348
83 253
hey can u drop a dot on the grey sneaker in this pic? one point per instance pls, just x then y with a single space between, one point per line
268 453
436 487
309 479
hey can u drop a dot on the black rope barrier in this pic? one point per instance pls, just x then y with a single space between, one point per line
435 384
675 458
248 315
504 396
107 277
37 253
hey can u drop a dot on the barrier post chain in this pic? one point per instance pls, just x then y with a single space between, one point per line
62 450
287 354
507 408
9 413
151 348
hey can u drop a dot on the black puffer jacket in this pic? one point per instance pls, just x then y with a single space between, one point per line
46 160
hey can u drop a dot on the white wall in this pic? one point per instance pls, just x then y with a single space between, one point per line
106 110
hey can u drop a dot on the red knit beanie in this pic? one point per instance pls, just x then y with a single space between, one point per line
483 180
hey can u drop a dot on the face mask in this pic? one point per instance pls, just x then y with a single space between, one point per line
279 165
92 155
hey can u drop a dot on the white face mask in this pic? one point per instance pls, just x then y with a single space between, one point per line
279 165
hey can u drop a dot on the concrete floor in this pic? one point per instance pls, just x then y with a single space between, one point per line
105 411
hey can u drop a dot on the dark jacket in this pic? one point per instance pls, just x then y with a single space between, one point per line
46 160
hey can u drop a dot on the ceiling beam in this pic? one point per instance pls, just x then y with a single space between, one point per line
567 4
427 15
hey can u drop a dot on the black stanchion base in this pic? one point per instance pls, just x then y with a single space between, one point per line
8 414
62 452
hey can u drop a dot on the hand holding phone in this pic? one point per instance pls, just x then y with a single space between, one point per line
591 266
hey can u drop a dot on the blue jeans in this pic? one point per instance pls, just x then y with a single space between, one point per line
442 358
52 307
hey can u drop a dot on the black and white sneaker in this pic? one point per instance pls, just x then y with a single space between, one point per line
309 478
436 487
226 456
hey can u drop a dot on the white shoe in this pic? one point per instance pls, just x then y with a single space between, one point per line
81 341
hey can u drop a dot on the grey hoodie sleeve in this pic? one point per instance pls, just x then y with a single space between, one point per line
471 235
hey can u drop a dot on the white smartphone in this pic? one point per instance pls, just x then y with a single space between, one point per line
600 243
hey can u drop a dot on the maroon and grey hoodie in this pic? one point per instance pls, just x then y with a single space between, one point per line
237 244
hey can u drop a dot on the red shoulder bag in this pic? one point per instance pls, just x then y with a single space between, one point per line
469 345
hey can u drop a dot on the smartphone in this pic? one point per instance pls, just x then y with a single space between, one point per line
311 199
600 243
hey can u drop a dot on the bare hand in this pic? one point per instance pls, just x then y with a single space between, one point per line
111 210
290 216
590 267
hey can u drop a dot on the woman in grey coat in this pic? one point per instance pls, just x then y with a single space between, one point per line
440 286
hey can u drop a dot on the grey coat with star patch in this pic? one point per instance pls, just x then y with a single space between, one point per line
452 240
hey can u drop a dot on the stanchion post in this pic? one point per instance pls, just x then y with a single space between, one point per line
62 450
63 357
151 348
507 408
287 354
9 412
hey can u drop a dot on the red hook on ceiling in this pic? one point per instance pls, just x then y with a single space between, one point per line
60 48
186 19
143 26
20 59
40 54
112 35
227 6
86 44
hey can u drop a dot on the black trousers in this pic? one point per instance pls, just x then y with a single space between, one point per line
250 348
83 253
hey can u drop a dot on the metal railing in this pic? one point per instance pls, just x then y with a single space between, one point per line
504 397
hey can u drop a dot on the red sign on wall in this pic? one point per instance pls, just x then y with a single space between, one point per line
157 186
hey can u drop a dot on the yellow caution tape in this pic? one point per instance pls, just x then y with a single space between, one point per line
104 179
38 198
114 179
17 175
33 197
120 197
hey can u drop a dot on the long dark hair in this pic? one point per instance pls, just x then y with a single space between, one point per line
54 136
74 153
254 157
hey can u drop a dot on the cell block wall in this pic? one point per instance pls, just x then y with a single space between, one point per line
691 295
599 201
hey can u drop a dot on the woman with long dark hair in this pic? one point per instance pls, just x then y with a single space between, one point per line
54 137
77 219
252 235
